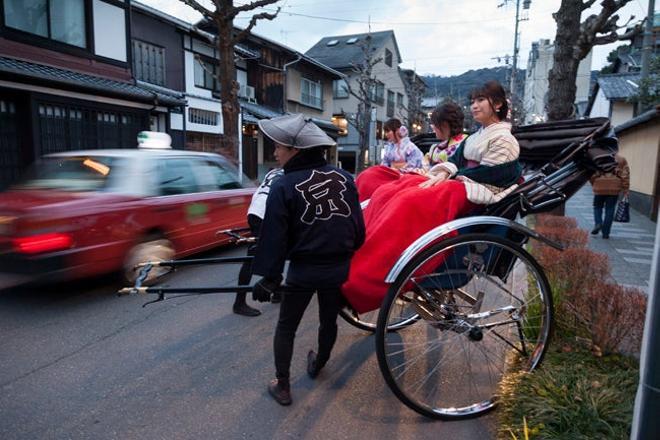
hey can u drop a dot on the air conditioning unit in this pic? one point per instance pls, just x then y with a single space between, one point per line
247 92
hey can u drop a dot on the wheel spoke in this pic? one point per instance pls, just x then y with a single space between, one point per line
484 299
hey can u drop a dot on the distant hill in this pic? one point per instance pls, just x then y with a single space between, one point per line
459 87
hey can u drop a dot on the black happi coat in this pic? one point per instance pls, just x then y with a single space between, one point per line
313 218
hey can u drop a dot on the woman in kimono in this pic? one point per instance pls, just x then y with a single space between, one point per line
483 170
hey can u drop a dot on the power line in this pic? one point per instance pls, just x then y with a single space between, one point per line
386 23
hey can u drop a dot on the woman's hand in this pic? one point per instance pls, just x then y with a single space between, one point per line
434 180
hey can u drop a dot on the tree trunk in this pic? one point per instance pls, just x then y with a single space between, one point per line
562 77
364 125
228 91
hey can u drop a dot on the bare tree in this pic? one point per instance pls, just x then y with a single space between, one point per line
573 42
364 90
227 37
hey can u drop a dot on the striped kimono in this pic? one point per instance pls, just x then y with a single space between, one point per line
487 163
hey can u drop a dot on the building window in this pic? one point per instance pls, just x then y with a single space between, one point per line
60 20
377 93
149 62
205 74
311 93
203 117
399 100
390 104
388 57
110 34
339 88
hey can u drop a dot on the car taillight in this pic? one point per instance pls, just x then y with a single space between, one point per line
42 243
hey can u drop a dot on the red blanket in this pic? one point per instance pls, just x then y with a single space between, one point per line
372 178
399 212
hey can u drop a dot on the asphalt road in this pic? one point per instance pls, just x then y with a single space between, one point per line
78 362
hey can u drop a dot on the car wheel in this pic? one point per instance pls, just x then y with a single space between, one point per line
150 249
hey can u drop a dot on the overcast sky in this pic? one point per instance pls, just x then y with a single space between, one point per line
440 37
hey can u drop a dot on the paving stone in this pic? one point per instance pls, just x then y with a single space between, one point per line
630 246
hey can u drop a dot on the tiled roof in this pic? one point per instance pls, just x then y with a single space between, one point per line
631 59
253 112
101 86
342 54
619 86
259 111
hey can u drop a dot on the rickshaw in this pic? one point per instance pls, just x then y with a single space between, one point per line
467 302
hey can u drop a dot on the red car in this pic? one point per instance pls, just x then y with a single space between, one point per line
86 213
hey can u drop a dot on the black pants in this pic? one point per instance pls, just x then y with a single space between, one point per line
245 274
292 310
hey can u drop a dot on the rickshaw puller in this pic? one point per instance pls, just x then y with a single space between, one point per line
313 219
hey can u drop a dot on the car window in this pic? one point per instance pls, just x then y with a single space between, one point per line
213 176
73 173
175 176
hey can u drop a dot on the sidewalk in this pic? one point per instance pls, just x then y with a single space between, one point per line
630 246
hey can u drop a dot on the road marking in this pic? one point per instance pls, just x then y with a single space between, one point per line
637 260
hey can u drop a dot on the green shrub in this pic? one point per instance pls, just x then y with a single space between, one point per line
573 395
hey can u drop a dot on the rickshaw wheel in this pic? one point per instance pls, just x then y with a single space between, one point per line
485 310
368 321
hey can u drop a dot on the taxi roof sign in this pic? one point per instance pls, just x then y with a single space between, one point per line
154 139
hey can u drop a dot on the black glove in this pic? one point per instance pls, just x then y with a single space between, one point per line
264 288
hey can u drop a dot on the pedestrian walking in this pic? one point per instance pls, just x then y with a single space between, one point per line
606 188
255 216
313 219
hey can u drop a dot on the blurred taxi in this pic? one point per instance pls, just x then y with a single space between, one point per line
84 213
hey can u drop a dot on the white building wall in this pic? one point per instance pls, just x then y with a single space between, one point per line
176 121
583 80
199 98
191 89
621 112
601 106
204 104
536 81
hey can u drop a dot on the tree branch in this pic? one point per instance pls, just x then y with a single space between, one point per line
252 6
606 39
199 8
253 21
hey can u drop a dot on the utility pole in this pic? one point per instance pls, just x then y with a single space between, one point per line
516 48
512 87
647 402
646 423
647 48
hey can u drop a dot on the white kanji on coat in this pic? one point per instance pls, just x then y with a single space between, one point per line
324 194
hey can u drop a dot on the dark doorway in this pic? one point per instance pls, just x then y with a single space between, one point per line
10 154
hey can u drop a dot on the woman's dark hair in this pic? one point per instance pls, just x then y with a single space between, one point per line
494 92
450 113
392 125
